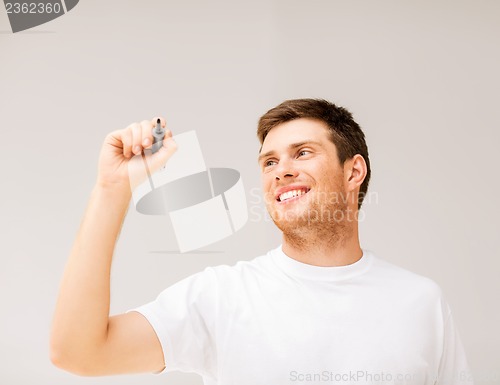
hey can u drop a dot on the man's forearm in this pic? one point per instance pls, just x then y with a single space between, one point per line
82 310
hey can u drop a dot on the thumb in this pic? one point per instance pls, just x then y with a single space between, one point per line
160 158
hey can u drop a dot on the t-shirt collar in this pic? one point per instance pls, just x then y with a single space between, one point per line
321 273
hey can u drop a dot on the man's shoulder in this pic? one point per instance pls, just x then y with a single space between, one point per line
402 278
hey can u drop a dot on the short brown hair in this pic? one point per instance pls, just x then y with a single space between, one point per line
345 133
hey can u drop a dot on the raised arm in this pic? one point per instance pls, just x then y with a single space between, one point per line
84 339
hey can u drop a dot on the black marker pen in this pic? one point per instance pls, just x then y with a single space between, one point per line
158 135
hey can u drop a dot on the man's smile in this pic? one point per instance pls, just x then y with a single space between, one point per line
291 193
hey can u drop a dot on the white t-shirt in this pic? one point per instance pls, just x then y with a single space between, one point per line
275 320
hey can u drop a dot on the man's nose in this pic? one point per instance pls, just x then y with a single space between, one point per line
285 169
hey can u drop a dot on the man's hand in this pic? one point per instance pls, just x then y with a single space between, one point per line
120 163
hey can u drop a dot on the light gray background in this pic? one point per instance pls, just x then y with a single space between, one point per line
421 77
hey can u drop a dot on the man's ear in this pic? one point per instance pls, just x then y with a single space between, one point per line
355 171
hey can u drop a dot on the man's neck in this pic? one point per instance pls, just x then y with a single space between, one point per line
326 251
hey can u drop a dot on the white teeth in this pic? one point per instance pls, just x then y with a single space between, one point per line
291 194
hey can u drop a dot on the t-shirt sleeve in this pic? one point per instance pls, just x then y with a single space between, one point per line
183 317
453 367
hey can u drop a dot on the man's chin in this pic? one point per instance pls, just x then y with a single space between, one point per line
319 217
290 214
292 221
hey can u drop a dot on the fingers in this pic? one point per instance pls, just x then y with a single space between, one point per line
137 130
139 136
126 138
147 133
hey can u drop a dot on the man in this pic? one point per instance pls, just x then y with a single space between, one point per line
317 309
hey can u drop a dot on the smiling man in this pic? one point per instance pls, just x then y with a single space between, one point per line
316 309
311 190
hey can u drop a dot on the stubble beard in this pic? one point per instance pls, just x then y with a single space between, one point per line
319 223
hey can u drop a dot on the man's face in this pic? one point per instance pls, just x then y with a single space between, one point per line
302 179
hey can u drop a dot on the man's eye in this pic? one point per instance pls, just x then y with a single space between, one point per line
304 152
269 163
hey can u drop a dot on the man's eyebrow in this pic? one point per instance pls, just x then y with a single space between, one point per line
290 146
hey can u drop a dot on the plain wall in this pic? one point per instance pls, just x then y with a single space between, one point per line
421 77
